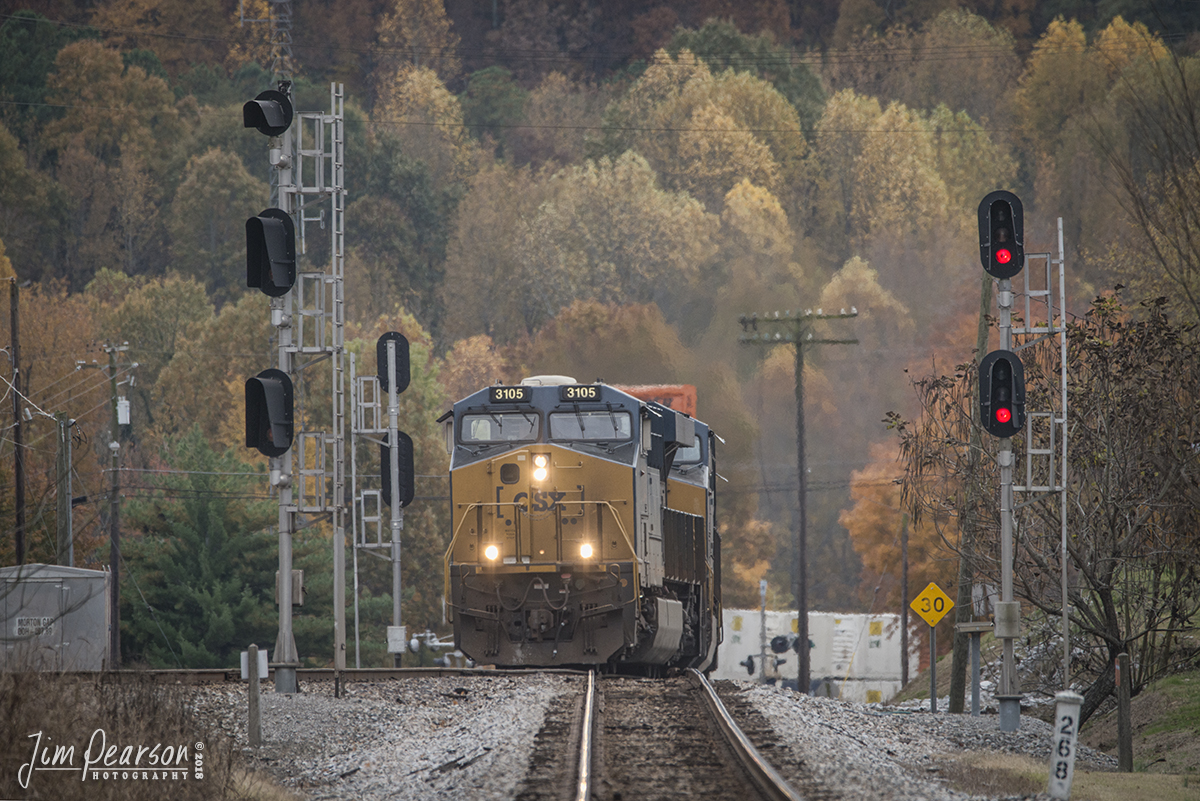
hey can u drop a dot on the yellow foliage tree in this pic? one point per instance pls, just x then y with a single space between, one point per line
151 24
6 268
417 33
472 364
490 288
110 109
414 101
705 133
609 233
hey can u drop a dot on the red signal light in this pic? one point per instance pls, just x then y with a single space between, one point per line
1003 255
1003 414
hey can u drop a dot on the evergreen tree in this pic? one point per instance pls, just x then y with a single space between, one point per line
202 569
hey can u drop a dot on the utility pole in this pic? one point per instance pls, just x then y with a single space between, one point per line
66 540
904 600
797 332
18 444
114 513
966 546
114 500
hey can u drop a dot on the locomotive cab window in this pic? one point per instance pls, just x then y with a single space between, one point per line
506 427
594 426
689 455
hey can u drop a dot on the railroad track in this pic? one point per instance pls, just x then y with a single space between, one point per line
657 739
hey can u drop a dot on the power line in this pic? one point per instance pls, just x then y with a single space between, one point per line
600 127
847 55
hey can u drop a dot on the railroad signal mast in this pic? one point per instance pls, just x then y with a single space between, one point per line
307 313
375 402
1002 412
1001 382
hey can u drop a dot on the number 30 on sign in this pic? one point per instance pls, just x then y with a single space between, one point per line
932 604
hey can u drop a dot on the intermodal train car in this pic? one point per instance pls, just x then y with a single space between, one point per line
582 530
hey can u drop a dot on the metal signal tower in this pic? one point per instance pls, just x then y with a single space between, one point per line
1046 431
309 318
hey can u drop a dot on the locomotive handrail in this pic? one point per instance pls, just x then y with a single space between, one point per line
637 560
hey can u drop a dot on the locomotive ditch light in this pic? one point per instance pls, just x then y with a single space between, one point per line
491 552
585 550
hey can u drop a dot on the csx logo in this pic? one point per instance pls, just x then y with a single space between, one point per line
539 501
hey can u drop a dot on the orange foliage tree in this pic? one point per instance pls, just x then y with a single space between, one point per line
875 521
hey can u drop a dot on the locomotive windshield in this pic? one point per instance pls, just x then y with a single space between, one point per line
506 427
596 426
690 454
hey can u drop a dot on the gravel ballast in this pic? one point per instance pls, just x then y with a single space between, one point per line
471 737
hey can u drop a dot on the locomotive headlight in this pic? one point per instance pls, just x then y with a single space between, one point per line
585 550
491 552
541 464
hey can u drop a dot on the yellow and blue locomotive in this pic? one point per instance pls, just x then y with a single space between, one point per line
582 529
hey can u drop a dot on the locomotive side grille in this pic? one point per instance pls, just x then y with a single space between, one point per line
683 546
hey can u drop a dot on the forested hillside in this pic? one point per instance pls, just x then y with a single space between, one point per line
580 187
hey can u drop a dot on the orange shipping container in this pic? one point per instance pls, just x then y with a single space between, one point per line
680 397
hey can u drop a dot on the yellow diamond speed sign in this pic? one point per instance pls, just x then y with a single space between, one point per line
932 604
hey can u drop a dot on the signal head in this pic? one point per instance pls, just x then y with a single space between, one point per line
1002 393
1001 234
270 113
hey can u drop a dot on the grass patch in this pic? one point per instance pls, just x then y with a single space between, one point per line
1184 690
997 774
73 713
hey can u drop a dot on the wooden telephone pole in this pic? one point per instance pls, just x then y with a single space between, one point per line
794 328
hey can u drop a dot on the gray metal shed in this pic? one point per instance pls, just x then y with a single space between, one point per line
55 618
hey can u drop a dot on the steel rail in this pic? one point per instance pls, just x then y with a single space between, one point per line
583 788
764 775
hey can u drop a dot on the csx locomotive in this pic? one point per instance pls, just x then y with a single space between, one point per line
582 530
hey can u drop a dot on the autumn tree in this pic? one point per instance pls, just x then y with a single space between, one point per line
428 119
57 330
540 36
204 383
111 109
398 226
29 45
492 105
1153 149
705 133
131 24
155 317
208 218
608 232
27 218
416 34
544 138
474 363
722 47
1132 492
957 59
876 520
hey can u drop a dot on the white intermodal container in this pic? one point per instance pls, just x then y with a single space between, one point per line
854 657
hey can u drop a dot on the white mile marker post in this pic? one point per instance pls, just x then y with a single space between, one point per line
1066 737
